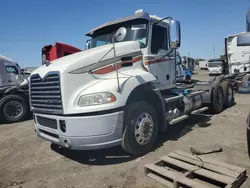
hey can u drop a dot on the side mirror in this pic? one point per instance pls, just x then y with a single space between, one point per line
175 34
120 34
87 45
22 71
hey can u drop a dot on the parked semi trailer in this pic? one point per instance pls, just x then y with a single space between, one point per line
14 97
122 90
58 50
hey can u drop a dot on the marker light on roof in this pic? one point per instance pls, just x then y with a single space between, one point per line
139 11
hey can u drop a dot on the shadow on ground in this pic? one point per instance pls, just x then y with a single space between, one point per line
108 156
28 117
116 155
179 130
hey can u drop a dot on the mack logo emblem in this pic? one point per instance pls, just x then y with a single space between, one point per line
52 101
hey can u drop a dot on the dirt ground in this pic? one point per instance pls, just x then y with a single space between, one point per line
28 161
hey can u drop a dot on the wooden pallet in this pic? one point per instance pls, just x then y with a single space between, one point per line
181 169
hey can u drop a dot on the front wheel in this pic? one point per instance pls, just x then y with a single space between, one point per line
140 128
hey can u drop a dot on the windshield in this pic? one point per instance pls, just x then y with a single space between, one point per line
243 40
136 31
214 64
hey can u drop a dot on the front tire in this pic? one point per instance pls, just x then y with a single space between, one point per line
140 128
13 108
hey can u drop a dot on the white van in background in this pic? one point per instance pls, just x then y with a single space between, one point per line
215 66
203 65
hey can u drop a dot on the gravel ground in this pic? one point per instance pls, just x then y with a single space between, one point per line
28 161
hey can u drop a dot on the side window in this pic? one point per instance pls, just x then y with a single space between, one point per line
159 39
11 69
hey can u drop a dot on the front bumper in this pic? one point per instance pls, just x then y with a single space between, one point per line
82 132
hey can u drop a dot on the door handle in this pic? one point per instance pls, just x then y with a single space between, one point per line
9 81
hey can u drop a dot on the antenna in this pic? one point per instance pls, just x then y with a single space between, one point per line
214 51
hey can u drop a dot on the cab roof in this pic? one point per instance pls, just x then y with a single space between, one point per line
6 59
234 35
139 14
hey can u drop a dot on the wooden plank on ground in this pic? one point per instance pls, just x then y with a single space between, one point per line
212 161
174 176
160 179
199 170
179 169
238 181
196 161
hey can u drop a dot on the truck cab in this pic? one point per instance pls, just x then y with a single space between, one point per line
237 51
14 100
121 90
10 72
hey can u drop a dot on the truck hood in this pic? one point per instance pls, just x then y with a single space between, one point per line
88 57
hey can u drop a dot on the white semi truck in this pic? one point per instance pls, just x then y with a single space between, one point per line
14 96
122 90
237 52
237 59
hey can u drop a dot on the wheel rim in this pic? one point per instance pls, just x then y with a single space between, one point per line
144 128
13 109
230 95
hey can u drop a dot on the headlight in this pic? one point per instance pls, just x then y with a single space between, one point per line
96 99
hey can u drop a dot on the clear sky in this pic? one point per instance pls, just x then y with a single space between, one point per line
27 25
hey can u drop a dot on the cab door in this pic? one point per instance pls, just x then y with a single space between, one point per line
163 68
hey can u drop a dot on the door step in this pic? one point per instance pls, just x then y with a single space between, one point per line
199 110
179 119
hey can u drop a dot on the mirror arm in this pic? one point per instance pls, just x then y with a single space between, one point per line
116 66
165 55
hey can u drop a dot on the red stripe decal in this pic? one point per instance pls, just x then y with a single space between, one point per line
111 68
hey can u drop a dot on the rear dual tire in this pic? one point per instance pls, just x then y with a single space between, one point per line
217 99
223 96
228 93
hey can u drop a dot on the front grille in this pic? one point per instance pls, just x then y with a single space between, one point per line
45 93
51 123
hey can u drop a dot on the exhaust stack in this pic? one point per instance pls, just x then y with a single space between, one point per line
248 21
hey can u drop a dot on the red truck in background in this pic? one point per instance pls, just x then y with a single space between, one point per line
52 52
